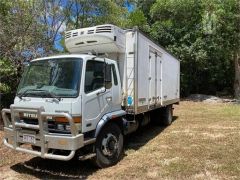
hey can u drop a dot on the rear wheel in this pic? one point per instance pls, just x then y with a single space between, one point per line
167 115
162 116
109 146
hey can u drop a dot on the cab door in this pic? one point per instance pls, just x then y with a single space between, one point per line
95 95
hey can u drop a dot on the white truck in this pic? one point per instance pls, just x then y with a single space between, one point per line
83 103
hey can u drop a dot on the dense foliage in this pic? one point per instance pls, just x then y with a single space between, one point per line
203 34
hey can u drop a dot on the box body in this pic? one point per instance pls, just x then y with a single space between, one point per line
152 77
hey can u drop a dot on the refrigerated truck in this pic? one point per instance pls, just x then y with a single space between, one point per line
84 103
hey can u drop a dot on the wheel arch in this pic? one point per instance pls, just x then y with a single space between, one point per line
115 117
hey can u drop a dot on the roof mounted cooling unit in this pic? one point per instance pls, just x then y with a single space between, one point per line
100 39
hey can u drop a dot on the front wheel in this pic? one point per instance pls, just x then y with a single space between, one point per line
109 146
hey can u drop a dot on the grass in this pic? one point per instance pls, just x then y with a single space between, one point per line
202 143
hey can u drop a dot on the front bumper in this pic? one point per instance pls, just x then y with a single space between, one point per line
15 130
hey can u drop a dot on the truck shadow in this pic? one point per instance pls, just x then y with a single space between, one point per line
74 169
139 138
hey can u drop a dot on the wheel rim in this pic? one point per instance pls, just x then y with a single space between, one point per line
109 144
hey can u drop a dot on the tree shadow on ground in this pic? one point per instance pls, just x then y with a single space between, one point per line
75 169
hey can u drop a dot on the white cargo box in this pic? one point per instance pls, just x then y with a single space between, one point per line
152 74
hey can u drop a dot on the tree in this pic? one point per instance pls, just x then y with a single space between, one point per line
229 25
137 18
94 12
204 35
54 15
21 38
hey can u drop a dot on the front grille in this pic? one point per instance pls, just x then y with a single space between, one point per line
52 125
30 121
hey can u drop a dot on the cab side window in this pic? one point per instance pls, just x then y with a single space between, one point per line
94 77
114 75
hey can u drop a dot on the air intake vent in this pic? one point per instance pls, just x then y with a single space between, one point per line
104 29
68 35
91 31
74 34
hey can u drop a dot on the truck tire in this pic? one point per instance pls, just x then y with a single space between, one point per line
167 115
162 116
108 146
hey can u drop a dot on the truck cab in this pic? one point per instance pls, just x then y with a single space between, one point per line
60 101
72 84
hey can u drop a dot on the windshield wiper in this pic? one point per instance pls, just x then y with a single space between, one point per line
39 90
20 95
52 95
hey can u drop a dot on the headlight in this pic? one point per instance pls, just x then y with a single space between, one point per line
60 127
62 124
67 127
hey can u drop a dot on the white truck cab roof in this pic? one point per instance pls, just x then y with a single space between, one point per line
83 56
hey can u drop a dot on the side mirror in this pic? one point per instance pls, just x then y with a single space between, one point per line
26 63
102 90
108 76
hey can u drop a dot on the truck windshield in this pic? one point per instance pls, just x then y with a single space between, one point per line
51 78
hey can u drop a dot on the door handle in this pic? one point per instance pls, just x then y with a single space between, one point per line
109 98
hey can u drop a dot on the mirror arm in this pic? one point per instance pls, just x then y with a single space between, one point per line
104 73
104 89
101 92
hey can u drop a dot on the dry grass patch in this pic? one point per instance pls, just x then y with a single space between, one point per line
202 143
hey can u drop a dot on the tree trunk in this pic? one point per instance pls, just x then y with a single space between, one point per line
237 58
237 75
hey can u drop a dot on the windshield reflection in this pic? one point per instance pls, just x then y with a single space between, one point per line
51 78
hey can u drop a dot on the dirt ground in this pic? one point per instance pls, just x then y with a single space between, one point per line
202 143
